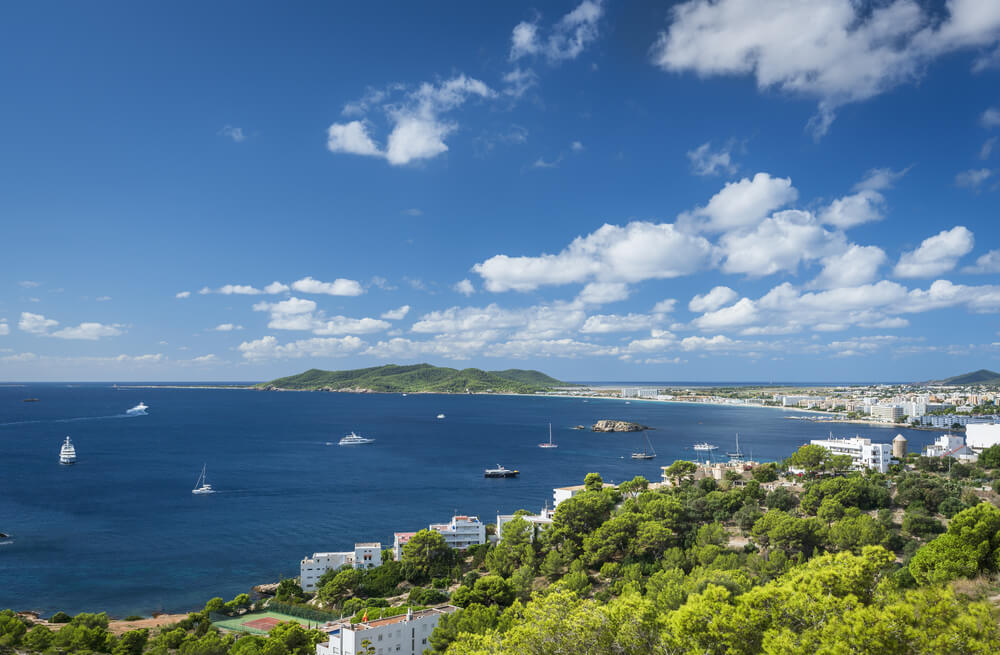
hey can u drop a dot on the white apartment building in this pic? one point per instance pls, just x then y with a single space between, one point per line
538 522
400 539
915 409
887 413
949 445
462 531
947 420
979 436
406 634
639 392
364 556
863 453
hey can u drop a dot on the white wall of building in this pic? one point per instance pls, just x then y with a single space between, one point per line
402 635
863 453
364 556
979 436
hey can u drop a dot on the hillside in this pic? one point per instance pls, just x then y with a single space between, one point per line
982 376
418 377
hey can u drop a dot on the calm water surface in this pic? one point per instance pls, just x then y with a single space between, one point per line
120 531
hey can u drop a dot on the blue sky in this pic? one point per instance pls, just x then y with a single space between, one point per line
726 190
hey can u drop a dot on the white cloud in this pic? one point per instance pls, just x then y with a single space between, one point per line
864 206
464 287
717 297
339 287
973 177
987 149
638 251
227 327
4 328
269 348
855 266
351 138
576 146
878 179
988 263
718 342
605 323
29 284
740 314
299 314
88 331
397 314
664 306
599 293
344 325
706 162
103 298
937 254
567 40
276 287
413 211
234 133
204 291
35 323
779 243
418 131
205 359
990 117
292 306
538 321
542 163
837 51
19 357
742 204
517 83
239 290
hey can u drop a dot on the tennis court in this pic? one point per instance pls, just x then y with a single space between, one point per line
260 623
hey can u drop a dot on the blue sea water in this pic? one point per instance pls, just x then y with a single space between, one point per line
121 532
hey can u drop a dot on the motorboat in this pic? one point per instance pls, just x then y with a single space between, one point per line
705 446
354 440
500 472
202 487
138 410
67 454
440 415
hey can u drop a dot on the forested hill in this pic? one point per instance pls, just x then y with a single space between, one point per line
982 376
419 377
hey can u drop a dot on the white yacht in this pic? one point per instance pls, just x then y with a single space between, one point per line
440 415
705 446
647 452
353 440
549 443
202 486
67 454
138 410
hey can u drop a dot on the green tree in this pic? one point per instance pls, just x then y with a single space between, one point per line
680 470
426 555
811 458
853 533
970 546
593 482
289 591
39 638
131 643
990 457
492 590
298 640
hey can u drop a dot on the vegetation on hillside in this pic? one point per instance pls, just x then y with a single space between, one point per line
982 376
832 562
418 378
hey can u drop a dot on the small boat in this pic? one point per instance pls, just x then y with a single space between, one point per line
579 427
67 454
440 415
31 400
736 454
548 444
646 453
138 410
500 472
201 486
354 440
704 445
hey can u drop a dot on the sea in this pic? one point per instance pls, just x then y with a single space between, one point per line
121 532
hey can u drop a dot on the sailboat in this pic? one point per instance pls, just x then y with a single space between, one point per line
201 486
737 454
645 454
549 444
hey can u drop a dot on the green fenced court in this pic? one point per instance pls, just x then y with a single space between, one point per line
259 623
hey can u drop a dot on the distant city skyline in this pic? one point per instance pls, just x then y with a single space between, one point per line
598 190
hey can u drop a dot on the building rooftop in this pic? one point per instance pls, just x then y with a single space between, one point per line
402 618
369 544
580 487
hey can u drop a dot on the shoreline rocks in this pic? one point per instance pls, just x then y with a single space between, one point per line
610 425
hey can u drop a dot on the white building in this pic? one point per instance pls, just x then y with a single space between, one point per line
887 413
949 445
538 522
863 453
979 436
462 531
406 634
947 420
399 539
364 556
639 392
560 494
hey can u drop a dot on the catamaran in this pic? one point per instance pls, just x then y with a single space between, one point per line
548 444
67 454
138 410
645 454
202 486
354 439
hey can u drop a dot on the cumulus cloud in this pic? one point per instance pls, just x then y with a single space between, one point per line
4 328
239 290
837 51
300 314
637 251
566 40
742 204
339 287
227 327
864 206
418 127
268 348
599 293
705 161
275 288
973 177
397 314
855 266
35 323
990 117
88 331
988 263
605 323
464 287
717 297
937 254
779 243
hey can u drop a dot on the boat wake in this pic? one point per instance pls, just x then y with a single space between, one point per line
67 420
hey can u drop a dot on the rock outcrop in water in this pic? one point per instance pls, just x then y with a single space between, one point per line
608 425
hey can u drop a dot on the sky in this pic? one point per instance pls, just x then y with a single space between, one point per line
706 190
